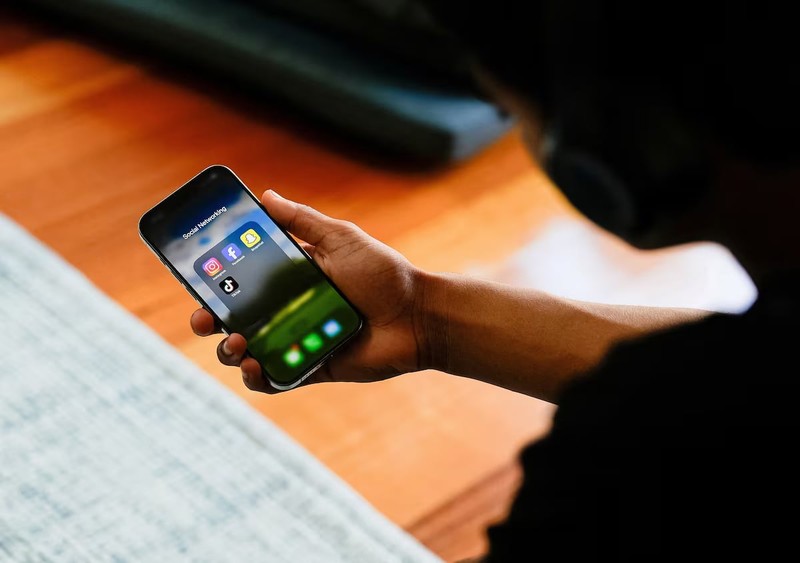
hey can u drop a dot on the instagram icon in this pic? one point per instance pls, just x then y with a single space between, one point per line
212 267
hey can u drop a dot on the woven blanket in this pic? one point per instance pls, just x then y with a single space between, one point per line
114 447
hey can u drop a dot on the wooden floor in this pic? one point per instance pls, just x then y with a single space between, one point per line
91 136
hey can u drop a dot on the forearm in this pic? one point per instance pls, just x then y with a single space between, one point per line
522 339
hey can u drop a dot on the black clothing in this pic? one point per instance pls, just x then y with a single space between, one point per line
680 446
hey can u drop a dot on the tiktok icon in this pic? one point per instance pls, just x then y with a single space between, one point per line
229 285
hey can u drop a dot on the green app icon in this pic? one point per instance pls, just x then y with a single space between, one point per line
312 342
293 356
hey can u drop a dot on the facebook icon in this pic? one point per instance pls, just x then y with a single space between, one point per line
231 252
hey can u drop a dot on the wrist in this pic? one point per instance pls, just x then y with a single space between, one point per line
430 320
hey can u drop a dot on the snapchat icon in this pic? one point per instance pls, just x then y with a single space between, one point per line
250 238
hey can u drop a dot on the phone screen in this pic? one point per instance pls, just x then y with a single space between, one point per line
217 238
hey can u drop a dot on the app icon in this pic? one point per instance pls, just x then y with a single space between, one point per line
250 238
312 342
231 252
212 267
331 328
293 356
229 285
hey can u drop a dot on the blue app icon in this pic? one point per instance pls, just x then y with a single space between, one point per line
231 252
331 328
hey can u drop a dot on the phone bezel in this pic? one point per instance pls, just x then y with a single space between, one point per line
204 177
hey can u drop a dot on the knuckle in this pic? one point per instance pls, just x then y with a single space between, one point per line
347 226
342 232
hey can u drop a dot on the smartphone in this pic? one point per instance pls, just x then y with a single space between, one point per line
217 239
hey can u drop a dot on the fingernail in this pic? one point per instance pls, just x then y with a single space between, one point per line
276 194
225 347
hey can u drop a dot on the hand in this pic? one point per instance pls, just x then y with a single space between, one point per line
378 280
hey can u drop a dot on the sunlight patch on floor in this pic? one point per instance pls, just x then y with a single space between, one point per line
574 259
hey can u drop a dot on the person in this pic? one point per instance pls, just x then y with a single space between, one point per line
675 430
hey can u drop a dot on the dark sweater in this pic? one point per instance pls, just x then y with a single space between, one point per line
681 445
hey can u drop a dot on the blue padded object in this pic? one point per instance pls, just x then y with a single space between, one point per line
378 99
397 27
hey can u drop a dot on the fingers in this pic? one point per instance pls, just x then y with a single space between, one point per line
203 323
300 220
253 379
231 350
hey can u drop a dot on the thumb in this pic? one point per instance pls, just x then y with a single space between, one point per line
301 220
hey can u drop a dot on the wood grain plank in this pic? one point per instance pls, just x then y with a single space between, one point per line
457 530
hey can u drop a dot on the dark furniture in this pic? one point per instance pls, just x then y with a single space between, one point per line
374 69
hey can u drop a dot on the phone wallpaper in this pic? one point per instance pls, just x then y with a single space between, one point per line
256 281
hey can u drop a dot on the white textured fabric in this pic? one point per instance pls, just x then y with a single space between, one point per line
114 447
